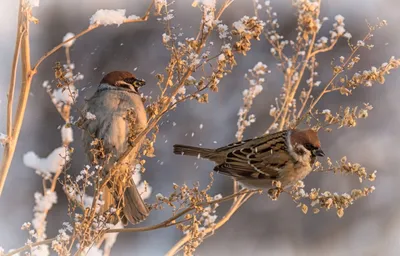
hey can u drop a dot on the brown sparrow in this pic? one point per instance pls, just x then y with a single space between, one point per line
285 156
107 120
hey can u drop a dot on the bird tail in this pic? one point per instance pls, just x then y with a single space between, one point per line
195 151
135 210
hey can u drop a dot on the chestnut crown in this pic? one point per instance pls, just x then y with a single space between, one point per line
123 79
309 139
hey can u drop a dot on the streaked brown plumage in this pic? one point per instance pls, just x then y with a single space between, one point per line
117 95
285 156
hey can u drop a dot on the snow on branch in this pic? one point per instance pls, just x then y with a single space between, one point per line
111 17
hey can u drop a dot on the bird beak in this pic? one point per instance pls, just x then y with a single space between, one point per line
139 83
319 152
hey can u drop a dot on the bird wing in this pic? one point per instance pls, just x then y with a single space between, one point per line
263 158
258 140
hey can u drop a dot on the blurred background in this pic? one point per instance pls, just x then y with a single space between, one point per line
261 227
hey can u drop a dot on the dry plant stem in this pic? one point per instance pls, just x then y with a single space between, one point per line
29 246
9 148
290 97
309 90
167 223
235 206
27 75
336 74
13 79
170 221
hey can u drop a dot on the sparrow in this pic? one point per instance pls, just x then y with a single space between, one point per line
286 156
108 118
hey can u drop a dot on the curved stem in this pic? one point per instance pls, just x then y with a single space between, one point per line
240 200
29 246
170 221
9 148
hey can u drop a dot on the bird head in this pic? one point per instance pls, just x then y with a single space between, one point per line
309 140
123 79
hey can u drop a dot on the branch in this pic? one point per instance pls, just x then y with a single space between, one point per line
29 246
167 223
236 205
17 49
170 221
367 36
90 28
9 148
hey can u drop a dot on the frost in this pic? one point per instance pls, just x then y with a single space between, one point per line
324 40
339 18
260 68
165 38
222 30
108 17
217 197
65 95
347 35
169 16
68 36
182 90
90 116
50 164
340 30
272 111
360 43
239 26
133 17
326 111
3 139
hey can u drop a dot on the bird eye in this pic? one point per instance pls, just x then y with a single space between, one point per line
130 80
135 82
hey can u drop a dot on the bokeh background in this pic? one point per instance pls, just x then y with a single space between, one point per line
261 227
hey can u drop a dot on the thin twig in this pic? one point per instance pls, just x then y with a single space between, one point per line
13 79
236 205
309 89
181 213
337 73
29 246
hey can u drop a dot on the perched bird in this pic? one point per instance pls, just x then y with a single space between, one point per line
112 115
285 156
